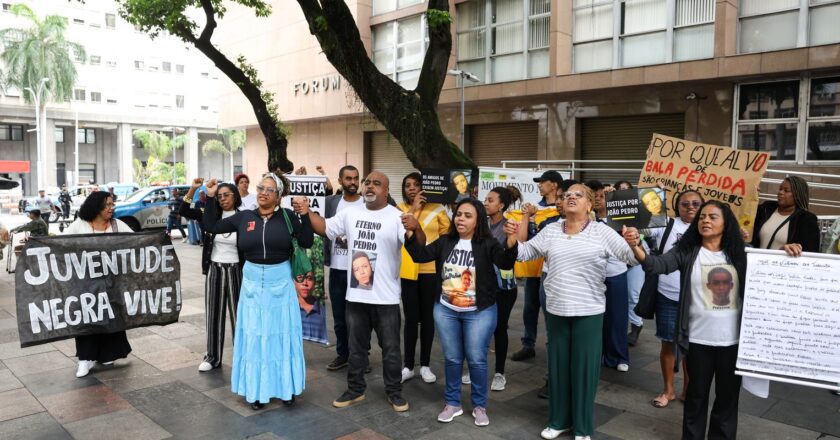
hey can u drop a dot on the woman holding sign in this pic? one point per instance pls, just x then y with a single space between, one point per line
712 264
268 345
96 216
465 314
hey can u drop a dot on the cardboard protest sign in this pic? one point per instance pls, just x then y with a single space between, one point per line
640 208
716 172
523 180
447 186
88 284
310 287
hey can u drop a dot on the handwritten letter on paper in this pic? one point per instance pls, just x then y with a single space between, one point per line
791 318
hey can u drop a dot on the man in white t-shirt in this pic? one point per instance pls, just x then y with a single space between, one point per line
337 258
375 235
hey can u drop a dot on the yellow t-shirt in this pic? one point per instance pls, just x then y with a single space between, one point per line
435 222
532 268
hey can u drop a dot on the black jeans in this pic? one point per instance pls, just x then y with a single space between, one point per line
338 293
385 321
531 311
505 299
703 364
418 298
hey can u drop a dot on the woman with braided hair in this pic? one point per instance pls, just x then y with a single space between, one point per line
787 223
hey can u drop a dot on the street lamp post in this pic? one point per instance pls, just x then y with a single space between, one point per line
463 75
38 138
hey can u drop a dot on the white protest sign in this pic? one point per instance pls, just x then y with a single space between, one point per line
314 187
489 178
791 317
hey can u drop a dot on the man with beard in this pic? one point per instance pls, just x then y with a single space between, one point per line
337 258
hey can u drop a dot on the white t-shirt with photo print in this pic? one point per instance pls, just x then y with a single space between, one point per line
459 278
714 316
374 244
339 257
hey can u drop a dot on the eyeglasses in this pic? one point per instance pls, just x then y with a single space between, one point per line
267 190
691 204
575 194
224 195
307 277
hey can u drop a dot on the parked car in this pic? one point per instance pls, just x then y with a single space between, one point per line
79 193
147 208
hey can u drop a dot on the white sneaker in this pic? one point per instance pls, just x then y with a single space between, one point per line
407 374
550 433
465 379
205 366
84 368
427 375
108 363
184 240
582 437
623 368
499 382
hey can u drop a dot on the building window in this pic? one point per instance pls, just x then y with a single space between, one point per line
383 6
7 7
111 101
205 108
79 57
611 34
205 75
399 47
111 63
179 68
78 21
11 132
86 135
79 94
95 60
95 97
138 64
167 66
771 118
179 101
504 40
110 21
153 68
59 135
784 24
87 173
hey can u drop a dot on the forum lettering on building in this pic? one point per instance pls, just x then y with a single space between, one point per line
88 284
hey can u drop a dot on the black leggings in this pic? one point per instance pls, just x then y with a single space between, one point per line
505 301
418 298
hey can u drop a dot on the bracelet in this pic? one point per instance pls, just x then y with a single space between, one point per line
187 199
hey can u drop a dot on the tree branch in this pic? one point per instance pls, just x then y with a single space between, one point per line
210 26
436 61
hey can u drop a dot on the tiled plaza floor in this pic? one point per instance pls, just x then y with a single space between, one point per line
158 393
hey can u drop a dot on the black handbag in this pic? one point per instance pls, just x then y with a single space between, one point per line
646 307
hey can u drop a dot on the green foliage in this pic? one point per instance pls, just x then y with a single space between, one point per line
231 142
158 171
436 18
40 51
321 23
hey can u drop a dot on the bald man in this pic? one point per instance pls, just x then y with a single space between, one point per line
373 230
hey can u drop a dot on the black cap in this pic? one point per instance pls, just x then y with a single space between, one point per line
551 175
35 211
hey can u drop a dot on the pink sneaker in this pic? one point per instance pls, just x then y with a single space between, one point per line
449 413
480 416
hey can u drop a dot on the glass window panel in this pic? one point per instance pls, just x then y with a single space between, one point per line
770 32
17 132
587 3
59 134
538 37
471 14
643 16
410 29
383 36
824 140
384 60
641 50
540 7
382 6
752 7
508 67
778 140
593 23
538 63
769 100
593 56
472 44
408 79
507 38
824 28
694 42
506 11
90 136
410 57
4 132
691 12
404 3
477 68
825 97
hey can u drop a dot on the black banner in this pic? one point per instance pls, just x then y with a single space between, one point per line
86 284
448 186
640 208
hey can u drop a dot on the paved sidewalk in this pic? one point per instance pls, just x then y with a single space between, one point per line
158 393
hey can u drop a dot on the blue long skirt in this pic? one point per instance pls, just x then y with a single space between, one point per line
268 344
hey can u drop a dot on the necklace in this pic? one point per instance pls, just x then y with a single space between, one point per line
569 236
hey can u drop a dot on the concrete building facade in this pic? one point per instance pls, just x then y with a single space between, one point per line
565 80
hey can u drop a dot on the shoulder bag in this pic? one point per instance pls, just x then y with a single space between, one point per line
301 265
646 307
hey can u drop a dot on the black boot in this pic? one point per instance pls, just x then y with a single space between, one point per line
288 403
633 336
256 405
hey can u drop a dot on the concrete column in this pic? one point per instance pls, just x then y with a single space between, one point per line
48 132
125 152
191 153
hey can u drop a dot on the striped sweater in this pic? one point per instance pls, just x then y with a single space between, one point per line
574 284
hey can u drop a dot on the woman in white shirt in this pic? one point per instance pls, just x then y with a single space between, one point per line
96 216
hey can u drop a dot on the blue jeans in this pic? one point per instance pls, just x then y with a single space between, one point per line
338 295
175 222
635 279
465 334
531 311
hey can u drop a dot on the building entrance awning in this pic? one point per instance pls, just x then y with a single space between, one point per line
14 166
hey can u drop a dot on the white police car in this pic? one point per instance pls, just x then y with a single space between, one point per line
148 208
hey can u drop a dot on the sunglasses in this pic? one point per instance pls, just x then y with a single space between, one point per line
267 190
691 204
302 278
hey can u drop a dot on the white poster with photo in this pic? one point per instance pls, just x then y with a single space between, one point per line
522 179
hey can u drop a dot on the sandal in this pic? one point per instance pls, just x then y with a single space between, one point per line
660 401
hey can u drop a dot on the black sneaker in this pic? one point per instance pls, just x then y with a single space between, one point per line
633 336
338 363
397 402
523 354
543 393
347 399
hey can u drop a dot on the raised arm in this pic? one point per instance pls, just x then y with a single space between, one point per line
187 211
302 227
